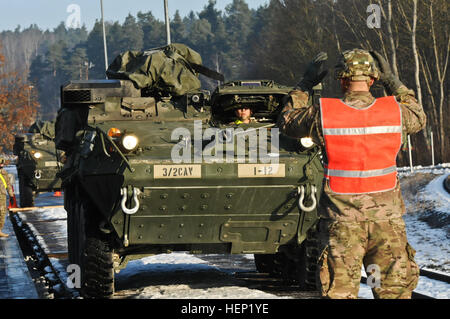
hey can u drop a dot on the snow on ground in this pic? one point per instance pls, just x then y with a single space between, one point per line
432 245
181 275
437 169
435 192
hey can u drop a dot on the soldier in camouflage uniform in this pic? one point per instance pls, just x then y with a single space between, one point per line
365 228
5 188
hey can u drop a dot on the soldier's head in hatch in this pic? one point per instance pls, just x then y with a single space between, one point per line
243 114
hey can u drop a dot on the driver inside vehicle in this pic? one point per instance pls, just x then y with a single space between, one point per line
243 115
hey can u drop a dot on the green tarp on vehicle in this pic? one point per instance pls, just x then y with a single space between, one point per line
46 128
170 69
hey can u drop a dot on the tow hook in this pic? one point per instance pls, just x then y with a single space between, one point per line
135 194
38 174
301 193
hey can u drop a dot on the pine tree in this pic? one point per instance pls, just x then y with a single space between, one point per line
238 23
177 28
95 51
132 36
154 30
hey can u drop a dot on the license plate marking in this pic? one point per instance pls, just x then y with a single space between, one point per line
177 171
261 170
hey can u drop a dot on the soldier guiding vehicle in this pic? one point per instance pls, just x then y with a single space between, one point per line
361 206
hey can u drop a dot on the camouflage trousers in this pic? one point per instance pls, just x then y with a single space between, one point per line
383 249
3 210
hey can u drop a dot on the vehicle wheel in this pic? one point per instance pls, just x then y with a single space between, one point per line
26 193
97 266
76 226
307 262
98 269
264 263
88 247
283 266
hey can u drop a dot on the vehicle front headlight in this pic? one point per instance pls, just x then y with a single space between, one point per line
37 155
130 142
306 142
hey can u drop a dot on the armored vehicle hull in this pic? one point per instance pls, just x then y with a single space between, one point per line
148 175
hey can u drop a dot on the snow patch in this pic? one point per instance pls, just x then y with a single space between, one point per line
436 193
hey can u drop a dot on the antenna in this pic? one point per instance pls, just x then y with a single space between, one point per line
104 37
166 13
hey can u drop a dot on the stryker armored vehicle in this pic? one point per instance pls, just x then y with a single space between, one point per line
142 178
156 165
37 164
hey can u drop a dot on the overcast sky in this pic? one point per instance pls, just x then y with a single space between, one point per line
47 14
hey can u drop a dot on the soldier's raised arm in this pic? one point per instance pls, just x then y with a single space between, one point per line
413 116
299 118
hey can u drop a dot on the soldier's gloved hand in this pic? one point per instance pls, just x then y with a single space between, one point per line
390 81
314 74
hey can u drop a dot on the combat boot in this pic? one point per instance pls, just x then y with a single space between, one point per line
2 234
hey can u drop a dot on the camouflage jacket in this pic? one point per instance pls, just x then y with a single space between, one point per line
300 119
8 189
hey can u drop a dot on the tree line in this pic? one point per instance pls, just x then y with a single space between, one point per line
275 41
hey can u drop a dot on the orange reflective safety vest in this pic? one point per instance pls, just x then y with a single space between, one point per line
361 145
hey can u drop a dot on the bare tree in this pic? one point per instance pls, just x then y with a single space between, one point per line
391 38
441 70
415 53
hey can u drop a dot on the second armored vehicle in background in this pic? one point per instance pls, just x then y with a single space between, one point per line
37 164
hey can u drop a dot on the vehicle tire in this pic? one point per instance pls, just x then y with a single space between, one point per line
88 247
264 263
26 193
97 265
278 265
283 266
307 262
76 226
98 269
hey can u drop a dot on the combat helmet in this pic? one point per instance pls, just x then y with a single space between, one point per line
356 65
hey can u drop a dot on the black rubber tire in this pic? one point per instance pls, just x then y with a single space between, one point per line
307 262
264 263
88 247
26 193
283 267
70 230
98 269
76 227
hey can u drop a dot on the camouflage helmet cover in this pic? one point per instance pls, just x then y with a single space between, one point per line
357 65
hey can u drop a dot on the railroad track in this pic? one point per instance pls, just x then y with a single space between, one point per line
47 239
48 252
